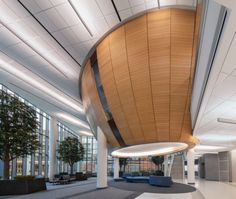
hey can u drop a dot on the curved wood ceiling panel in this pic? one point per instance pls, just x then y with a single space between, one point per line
146 67
110 88
138 63
182 28
123 83
92 105
159 58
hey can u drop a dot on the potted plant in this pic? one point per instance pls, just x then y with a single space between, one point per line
18 135
71 151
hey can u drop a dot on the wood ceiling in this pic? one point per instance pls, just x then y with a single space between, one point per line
146 68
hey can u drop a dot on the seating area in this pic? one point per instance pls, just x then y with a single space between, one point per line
162 181
65 178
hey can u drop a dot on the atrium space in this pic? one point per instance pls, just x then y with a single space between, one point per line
117 99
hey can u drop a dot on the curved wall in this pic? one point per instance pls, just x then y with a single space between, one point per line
146 72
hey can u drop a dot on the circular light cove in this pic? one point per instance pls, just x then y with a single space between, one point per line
153 149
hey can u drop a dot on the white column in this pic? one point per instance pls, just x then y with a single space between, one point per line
52 148
101 160
116 168
166 166
190 166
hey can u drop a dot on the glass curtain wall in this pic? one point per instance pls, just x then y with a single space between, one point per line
89 162
37 163
62 133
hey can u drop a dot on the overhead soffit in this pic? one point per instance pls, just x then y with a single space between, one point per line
27 39
146 73
45 36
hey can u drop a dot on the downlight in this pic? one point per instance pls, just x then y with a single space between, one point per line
144 150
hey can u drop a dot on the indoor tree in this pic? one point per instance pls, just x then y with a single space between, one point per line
123 162
18 130
158 160
71 151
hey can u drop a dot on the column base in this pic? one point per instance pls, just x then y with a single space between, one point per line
101 187
192 183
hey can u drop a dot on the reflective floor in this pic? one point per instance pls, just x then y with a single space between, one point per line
87 190
205 190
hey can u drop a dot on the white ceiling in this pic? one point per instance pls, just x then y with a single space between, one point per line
219 100
45 40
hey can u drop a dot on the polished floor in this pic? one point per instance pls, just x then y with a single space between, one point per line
87 190
205 190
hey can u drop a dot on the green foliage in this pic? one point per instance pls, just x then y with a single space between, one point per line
157 160
71 151
25 177
18 129
123 162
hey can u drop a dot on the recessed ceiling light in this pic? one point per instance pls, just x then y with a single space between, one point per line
72 120
74 7
217 137
208 148
86 133
229 121
34 81
39 46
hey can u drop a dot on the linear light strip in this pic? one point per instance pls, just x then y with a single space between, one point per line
49 32
86 133
20 63
32 48
33 82
80 18
223 120
37 96
73 120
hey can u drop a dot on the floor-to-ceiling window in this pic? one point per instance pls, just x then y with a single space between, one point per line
62 133
37 163
90 157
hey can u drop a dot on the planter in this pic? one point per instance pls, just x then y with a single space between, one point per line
80 176
17 187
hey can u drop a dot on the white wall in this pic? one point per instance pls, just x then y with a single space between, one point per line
233 165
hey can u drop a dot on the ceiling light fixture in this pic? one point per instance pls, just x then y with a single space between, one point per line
31 79
153 149
72 120
226 137
80 18
223 120
86 133
208 148
37 46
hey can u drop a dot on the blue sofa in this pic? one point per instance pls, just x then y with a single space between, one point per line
162 181
144 179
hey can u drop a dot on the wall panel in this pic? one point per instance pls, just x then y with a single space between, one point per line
159 57
109 84
123 83
146 67
92 105
182 29
138 62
